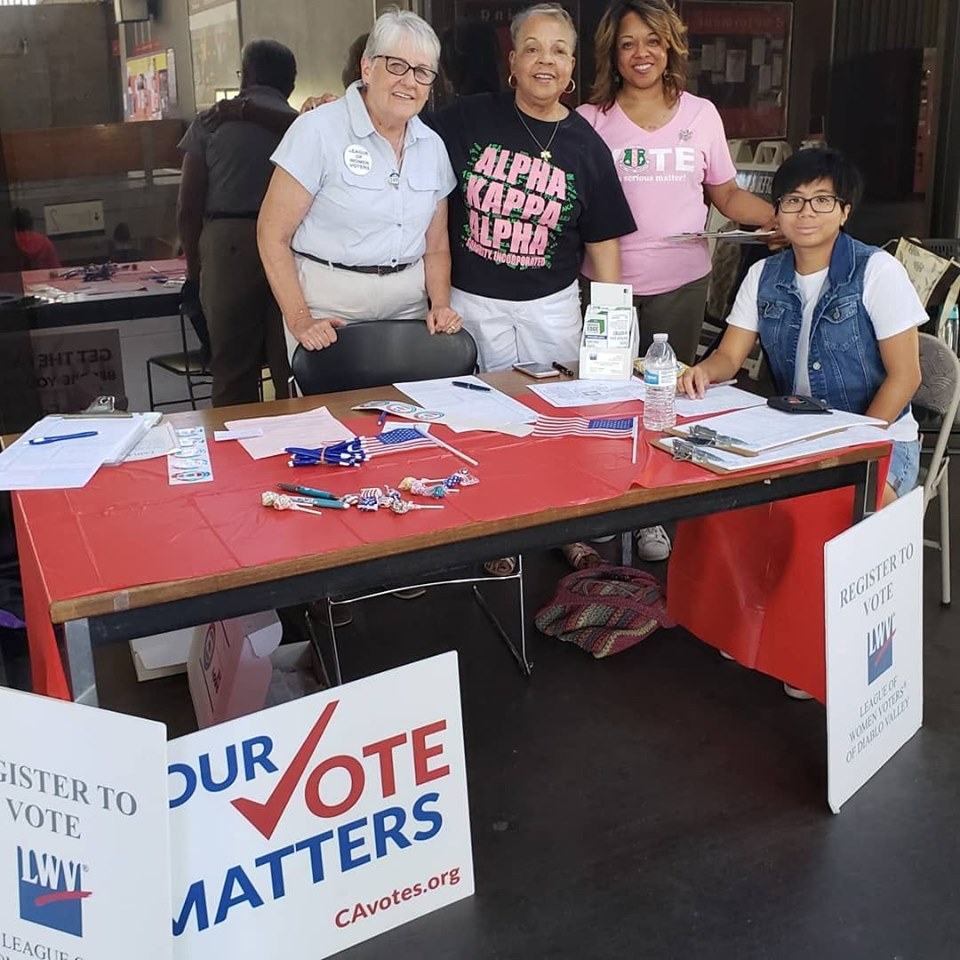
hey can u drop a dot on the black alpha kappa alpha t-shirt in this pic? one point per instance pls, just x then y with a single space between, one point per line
518 222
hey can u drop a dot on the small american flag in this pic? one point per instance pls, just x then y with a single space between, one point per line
394 440
611 428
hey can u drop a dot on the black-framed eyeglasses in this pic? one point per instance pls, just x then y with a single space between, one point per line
821 203
398 67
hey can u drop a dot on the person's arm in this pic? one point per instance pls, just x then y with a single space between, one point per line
284 207
901 360
741 206
605 257
242 108
190 205
735 346
442 318
723 364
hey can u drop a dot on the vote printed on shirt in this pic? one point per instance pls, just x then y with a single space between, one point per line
357 160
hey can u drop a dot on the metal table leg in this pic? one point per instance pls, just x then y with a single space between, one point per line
80 668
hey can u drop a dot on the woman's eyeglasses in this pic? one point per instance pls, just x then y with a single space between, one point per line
398 67
822 203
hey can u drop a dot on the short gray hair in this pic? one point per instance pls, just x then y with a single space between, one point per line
541 10
394 24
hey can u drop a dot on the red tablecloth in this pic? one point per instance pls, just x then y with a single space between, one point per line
129 527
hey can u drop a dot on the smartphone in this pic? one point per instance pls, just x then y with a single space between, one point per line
538 370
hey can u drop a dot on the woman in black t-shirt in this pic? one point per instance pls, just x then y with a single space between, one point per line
537 190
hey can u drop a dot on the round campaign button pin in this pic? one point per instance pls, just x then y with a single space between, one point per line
358 160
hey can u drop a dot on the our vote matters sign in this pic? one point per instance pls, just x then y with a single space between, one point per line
323 822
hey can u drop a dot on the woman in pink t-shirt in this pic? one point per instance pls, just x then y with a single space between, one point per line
669 146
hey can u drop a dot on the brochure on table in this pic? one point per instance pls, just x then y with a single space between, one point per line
873 577
610 341
313 825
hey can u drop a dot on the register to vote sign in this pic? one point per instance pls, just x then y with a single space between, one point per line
84 854
305 829
874 580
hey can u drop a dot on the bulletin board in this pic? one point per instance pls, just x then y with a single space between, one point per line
740 60
148 87
215 49
496 15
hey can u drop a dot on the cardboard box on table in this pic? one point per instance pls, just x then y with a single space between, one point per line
229 668
610 341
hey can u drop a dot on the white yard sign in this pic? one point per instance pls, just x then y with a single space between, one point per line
874 630
84 843
305 829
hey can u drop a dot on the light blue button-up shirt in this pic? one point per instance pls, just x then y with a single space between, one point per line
359 215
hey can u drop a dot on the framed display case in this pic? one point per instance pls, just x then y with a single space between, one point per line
740 60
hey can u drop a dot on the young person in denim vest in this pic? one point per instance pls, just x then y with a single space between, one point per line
837 319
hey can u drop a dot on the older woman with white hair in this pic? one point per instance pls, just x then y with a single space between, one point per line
354 223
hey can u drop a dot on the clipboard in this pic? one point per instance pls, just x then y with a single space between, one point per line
745 451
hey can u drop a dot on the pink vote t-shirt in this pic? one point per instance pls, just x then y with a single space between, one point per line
662 174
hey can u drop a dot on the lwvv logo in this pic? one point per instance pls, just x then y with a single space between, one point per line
50 891
880 648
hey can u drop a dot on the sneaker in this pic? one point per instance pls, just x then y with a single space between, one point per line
653 543
795 693
409 593
726 656
612 536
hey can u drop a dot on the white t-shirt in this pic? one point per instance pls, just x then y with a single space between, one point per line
888 296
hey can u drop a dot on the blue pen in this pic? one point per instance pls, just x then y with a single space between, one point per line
470 386
382 419
38 441
307 491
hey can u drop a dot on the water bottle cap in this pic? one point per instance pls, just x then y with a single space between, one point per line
660 337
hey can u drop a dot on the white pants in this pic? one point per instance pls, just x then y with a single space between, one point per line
360 296
520 331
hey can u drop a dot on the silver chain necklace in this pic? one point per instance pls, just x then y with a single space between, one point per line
545 153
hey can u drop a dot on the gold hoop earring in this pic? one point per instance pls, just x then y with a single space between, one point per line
572 87
513 85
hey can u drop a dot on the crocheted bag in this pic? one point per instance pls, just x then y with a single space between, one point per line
605 609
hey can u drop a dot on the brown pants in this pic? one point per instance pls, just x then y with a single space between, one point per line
243 318
678 313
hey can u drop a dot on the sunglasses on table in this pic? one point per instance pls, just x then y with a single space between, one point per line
398 67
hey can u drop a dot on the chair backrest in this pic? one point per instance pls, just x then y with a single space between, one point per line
375 353
939 391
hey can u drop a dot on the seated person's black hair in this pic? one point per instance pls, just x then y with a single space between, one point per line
270 64
819 163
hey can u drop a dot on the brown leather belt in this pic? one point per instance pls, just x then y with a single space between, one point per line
379 271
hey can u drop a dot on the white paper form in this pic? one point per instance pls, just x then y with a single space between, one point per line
157 442
315 428
762 428
466 409
70 463
585 393
726 462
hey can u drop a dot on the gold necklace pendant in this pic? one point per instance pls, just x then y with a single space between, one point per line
546 155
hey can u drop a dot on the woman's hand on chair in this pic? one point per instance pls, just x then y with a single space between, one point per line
315 334
444 320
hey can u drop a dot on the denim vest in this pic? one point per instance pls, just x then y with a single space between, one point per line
845 366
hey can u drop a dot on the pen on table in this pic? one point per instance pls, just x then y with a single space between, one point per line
307 491
382 419
470 386
566 371
37 441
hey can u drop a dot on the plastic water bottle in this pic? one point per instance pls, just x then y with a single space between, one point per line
660 378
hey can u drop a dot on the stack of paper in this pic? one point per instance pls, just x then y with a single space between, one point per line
477 407
315 428
754 431
68 451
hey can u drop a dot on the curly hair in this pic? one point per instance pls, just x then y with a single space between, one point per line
661 17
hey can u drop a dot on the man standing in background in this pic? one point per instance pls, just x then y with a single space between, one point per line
223 180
